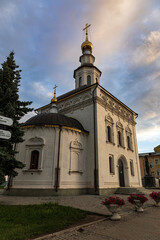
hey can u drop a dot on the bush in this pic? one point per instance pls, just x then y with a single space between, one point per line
113 200
133 197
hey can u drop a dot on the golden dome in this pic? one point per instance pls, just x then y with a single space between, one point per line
86 44
54 100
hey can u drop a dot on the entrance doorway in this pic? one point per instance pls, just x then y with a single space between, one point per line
121 173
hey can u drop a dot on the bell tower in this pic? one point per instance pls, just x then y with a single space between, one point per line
86 73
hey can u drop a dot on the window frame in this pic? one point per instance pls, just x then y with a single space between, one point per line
34 144
128 143
111 165
156 160
109 125
132 168
76 157
120 138
129 139
109 138
120 135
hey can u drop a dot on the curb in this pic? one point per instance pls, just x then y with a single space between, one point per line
69 230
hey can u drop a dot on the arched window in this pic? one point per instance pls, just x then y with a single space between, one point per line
80 82
88 80
109 129
34 159
129 138
132 167
119 138
109 134
76 161
128 142
111 164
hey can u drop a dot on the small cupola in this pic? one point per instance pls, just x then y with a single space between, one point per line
87 46
53 108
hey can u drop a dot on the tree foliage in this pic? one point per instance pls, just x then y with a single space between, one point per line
12 107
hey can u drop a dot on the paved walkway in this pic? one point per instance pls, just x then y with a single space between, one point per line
90 203
145 226
132 225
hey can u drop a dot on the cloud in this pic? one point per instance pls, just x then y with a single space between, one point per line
149 51
41 92
149 134
149 115
27 116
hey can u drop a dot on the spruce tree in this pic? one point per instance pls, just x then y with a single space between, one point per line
12 107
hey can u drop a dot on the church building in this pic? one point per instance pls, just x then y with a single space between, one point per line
82 142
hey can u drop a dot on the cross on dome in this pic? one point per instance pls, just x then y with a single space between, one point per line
55 90
86 28
54 99
87 45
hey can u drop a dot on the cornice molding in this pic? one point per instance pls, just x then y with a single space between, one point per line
110 108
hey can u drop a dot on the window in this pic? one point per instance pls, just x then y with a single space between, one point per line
128 142
111 164
109 134
88 80
156 161
119 138
34 159
109 129
158 172
129 138
151 165
131 168
34 154
80 82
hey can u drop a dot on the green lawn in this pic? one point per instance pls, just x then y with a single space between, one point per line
24 222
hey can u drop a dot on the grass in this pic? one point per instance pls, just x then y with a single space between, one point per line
24 222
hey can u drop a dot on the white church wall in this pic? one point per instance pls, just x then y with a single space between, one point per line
85 116
73 173
43 177
107 149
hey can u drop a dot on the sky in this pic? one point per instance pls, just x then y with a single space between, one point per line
46 36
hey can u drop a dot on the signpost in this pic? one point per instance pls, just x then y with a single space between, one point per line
5 134
8 122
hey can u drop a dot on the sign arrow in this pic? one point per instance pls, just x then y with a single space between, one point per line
6 121
5 134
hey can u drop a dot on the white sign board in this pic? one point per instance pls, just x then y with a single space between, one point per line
6 121
5 134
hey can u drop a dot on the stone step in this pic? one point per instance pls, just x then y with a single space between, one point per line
127 191
149 190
